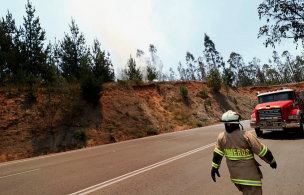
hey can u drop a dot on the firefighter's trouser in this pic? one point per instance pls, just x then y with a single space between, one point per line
249 190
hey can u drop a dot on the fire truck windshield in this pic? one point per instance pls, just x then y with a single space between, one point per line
276 97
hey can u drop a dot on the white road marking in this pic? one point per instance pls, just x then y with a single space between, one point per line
131 174
20 173
172 138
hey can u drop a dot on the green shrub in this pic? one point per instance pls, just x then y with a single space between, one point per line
79 146
137 81
139 134
235 101
199 123
122 82
209 102
112 136
205 106
183 91
151 73
152 130
31 79
214 80
81 134
33 94
91 88
109 128
204 92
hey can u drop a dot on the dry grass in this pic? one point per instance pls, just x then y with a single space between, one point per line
180 113
111 85
14 88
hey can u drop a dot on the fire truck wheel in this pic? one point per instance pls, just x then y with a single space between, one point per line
258 132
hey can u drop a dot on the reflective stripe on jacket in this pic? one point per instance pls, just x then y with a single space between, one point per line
239 148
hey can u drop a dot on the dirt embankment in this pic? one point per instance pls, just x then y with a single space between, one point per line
125 112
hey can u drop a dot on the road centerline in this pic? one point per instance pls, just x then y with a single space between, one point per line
172 138
136 172
20 173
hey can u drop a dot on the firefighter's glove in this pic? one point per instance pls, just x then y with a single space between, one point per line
273 165
213 171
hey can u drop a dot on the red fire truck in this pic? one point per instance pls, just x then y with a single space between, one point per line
279 109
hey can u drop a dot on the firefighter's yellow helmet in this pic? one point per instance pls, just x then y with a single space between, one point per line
231 117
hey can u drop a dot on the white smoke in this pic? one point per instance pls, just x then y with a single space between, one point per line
122 26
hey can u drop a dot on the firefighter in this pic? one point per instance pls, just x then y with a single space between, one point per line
239 148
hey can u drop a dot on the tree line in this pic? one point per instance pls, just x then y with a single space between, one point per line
23 55
284 21
281 68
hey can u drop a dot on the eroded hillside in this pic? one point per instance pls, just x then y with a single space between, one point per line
125 112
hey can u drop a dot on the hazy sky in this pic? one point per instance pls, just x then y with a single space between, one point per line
173 26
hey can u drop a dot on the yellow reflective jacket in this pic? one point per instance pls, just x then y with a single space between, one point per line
239 148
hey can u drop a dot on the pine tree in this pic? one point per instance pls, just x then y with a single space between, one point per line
56 55
33 37
102 64
49 69
9 52
132 71
91 88
6 43
72 52
19 54
151 73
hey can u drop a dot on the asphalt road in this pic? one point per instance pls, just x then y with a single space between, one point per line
174 163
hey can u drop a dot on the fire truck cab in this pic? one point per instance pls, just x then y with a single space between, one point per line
279 109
